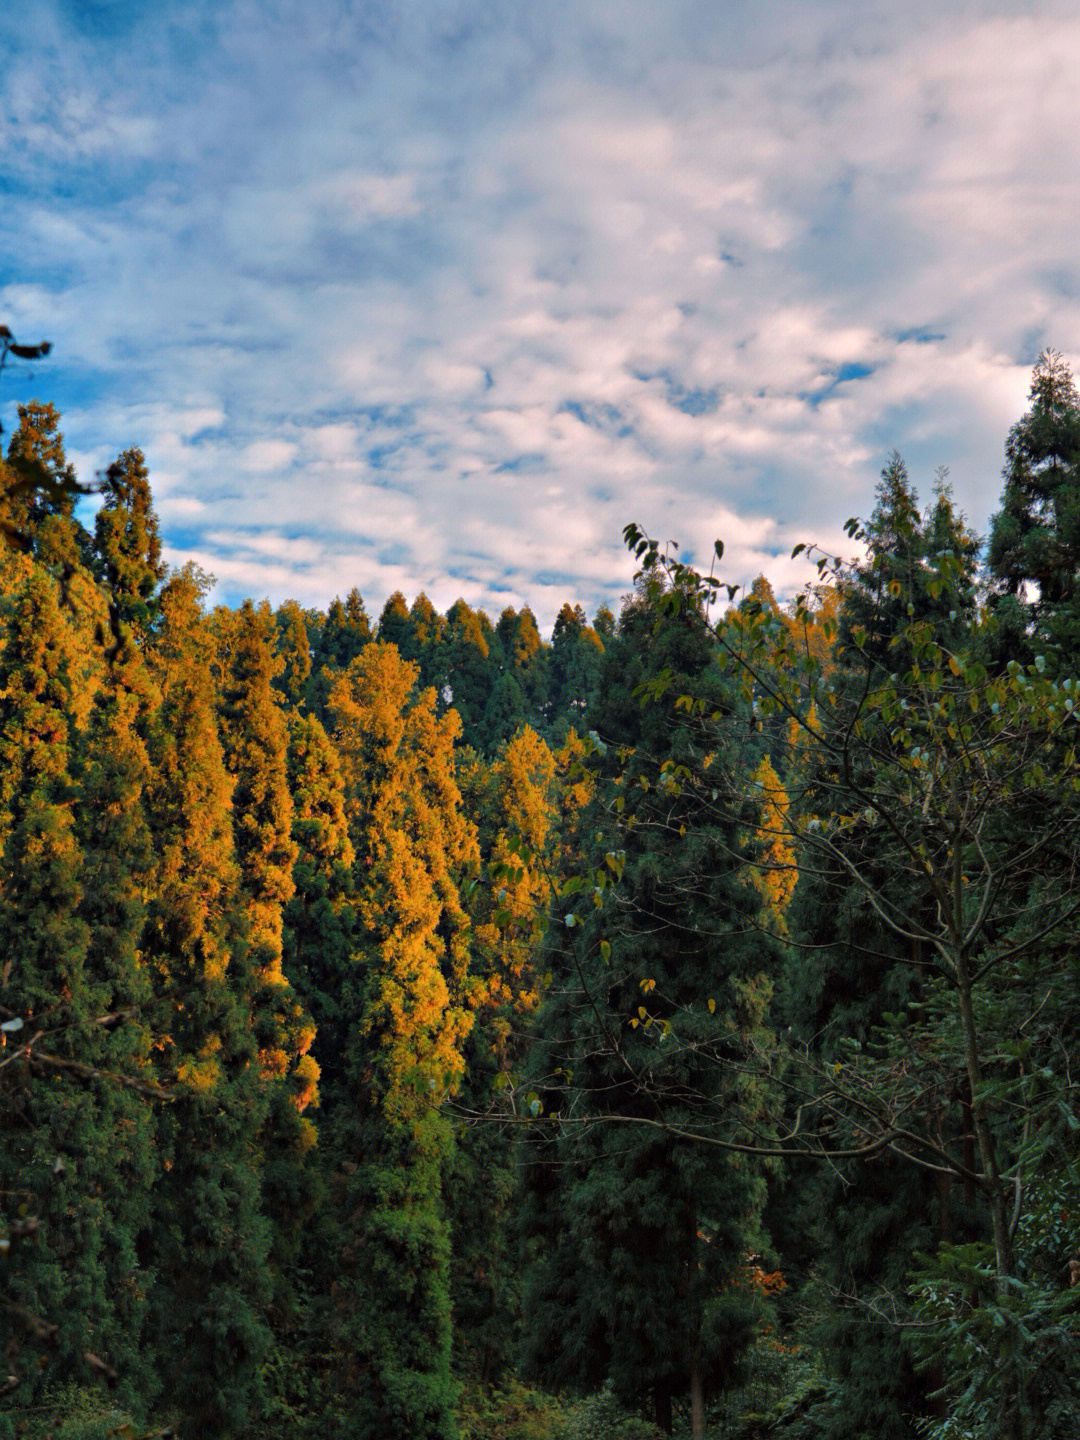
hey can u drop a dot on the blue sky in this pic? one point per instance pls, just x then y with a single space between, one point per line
439 294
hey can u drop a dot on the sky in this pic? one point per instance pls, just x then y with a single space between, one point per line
440 294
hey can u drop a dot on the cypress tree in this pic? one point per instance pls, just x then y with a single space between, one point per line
127 543
514 801
211 1240
49 1159
294 648
656 992
405 1027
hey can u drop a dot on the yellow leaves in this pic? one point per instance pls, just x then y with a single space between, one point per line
712 1005
647 986
775 873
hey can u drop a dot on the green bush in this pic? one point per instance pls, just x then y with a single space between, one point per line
601 1417
510 1412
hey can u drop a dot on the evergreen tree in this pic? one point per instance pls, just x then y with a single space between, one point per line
573 670
294 648
394 626
515 803
639 1279
254 735
42 513
857 1226
1035 537
317 936
406 1024
50 1156
118 874
467 669
211 1241
525 661
127 543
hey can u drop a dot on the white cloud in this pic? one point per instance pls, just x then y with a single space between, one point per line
460 294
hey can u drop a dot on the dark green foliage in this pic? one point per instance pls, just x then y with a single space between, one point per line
854 971
638 1279
127 545
1035 536
573 670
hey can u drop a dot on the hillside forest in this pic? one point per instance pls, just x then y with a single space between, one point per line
418 1029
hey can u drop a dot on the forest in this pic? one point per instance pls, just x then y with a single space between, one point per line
416 1029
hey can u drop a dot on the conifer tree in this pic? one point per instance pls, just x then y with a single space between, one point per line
294 648
127 543
405 1027
466 669
118 874
42 515
1035 537
515 802
573 669
864 1222
211 1241
318 918
49 1116
638 1281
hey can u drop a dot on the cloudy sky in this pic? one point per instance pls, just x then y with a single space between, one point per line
439 294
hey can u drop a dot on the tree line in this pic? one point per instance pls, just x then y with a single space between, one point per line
400 1015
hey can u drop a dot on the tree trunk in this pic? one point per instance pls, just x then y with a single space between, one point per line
662 1408
697 1402
1013 1426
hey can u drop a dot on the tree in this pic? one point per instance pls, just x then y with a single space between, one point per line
294 648
574 668
514 800
1035 537
211 1240
405 1022
662 987
127 542
46 990
255 736
935 761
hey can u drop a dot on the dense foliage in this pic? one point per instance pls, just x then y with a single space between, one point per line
677 1018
